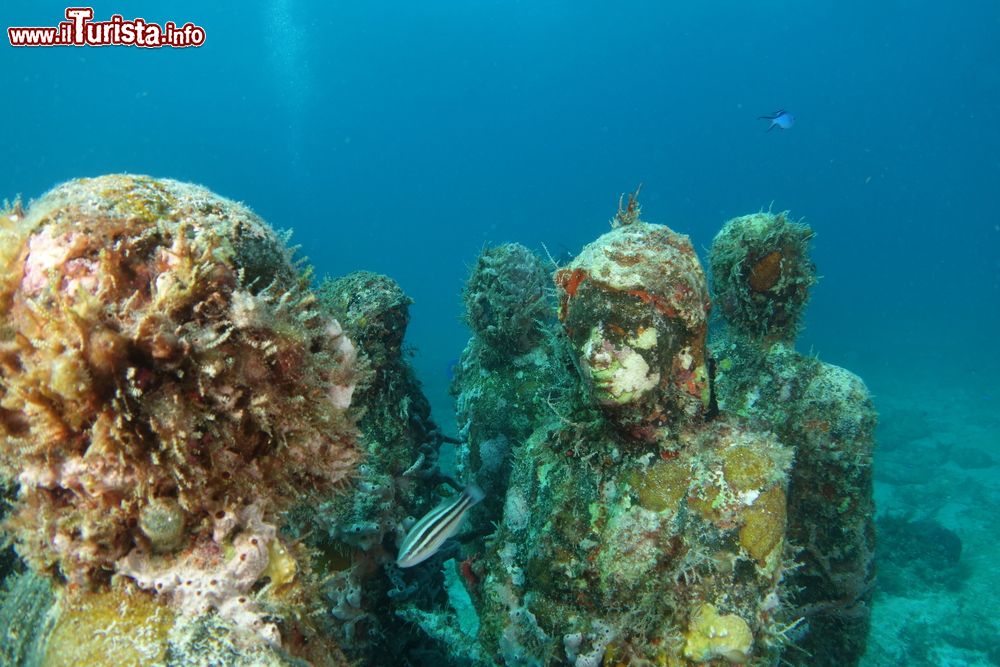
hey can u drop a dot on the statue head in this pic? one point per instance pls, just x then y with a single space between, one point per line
635 306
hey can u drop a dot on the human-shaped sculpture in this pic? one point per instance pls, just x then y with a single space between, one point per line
761 275
638 527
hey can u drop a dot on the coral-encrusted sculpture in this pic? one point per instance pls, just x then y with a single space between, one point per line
637 527
163 365
506 376
635 306
503 393
761 274
824 412
355 536
506 298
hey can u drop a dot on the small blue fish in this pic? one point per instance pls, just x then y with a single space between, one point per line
780 118
428 534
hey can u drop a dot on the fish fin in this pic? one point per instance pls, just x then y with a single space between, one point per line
771 127
475 494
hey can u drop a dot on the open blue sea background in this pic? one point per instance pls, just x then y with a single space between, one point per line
402 137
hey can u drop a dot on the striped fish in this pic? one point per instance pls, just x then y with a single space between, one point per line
428 534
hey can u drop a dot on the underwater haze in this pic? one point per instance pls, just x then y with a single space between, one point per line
403 137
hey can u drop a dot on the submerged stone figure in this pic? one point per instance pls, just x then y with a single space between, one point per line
183 414
167 390
510 372
214 461
761 275
356 534
636 528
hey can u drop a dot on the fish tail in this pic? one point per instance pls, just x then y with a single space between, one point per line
474 493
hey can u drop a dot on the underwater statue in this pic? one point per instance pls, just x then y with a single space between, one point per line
638 525
355 537
761 276
201 452
205 459
169 390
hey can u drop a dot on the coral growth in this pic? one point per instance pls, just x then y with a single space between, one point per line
635 305
25 619
712 635
355 535
219 574
162 522
374 310
108 616
506 298
826 414
114 627
761 274
631 511
163 363
766 273
636 545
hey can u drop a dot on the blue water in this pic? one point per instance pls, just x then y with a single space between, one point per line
401 137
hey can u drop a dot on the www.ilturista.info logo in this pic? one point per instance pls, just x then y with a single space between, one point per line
79 29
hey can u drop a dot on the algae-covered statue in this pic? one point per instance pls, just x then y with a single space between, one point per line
207 461
649 518
169 389
638 526
761 275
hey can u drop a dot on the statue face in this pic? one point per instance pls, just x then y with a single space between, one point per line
621 363
635 305
644 368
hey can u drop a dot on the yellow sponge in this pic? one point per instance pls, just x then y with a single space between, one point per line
711 636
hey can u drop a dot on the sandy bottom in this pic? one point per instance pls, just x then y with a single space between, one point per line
938 468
